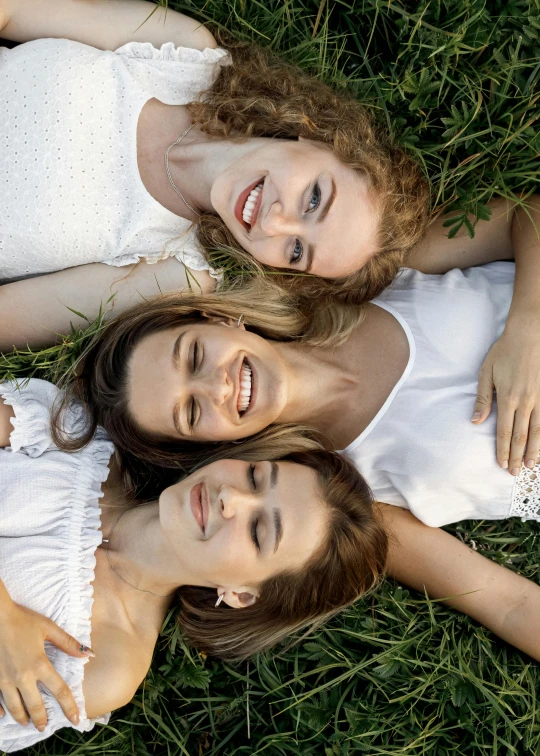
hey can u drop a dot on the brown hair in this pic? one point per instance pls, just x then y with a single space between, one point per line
261 95
349 562
102 377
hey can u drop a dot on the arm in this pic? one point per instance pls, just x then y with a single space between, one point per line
6 413
33 312
512 366
428 558
105 24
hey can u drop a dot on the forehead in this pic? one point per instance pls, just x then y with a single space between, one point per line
299 496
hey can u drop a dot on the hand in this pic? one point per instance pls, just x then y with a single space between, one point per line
512 369
23 662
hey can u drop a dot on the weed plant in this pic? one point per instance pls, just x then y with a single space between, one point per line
457 82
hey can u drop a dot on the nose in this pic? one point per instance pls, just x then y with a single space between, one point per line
278 220
233 502
217 386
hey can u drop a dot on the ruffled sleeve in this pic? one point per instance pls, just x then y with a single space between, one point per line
32 401
174 75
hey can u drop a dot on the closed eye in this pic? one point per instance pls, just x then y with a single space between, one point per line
254 536
196 357
251 477
193 413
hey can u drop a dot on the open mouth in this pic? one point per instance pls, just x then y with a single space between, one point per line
246 385
248 204
199 505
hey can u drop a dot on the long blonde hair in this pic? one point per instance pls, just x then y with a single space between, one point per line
101 380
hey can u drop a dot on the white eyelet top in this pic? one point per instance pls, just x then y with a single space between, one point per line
49 532
421 450
70 187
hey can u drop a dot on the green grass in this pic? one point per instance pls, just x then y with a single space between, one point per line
396 674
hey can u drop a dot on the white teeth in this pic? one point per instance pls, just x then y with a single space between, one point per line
244 394
247 212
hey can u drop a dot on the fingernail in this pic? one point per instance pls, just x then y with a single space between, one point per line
504 465
514 471
530 463
40 728
476 416
74 719
86 650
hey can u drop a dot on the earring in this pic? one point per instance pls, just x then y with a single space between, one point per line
220 599
240 321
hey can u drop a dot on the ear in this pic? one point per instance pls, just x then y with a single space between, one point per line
222 320
237 599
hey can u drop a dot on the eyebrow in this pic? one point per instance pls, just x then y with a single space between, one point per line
322 215
176 349
278 528
278 525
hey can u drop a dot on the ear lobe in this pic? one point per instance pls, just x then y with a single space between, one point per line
237 599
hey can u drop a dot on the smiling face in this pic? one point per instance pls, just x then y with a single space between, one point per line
294 205
206 382
234 524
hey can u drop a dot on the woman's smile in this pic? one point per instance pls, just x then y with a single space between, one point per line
206 382
199 505
248 204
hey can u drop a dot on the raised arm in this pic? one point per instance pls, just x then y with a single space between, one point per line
512 366
105 24
429 559
33 312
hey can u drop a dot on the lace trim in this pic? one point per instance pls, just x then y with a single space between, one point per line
526 494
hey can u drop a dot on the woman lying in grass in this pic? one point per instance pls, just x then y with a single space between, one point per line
180 378
279 544
111 158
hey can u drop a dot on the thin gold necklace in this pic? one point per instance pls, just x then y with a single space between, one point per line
167 169
108 541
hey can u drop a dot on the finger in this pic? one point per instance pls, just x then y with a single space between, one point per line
14 704
505 428
34 705
484 398
532 452
519 440
61 691
2 712
66 642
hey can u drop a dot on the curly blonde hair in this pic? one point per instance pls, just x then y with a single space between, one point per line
261 95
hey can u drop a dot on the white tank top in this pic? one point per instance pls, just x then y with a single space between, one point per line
70 188
421 451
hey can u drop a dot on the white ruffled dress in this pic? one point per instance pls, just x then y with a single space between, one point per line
70 187
49 532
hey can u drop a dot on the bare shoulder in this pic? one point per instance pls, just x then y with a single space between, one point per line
111 679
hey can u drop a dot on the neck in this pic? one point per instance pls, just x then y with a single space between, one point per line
139 553
319 381
197 162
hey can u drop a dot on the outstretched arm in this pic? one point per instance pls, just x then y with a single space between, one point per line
512 366
105 24
432 560
33 312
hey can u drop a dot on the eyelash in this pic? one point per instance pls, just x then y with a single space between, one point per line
254 534
296 257
196 363
254 538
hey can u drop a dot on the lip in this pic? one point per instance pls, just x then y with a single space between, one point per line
241 201
198 500
253 388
